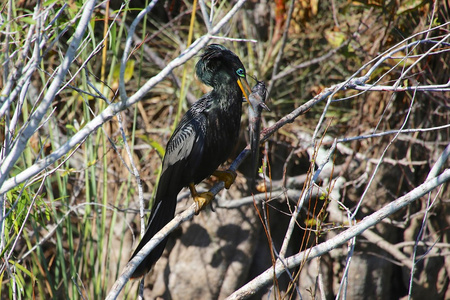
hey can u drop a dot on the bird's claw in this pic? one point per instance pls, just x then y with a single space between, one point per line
202 200
227 177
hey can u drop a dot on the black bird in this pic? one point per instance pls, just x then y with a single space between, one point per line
202 141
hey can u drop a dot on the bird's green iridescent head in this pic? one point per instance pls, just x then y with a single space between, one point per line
218 66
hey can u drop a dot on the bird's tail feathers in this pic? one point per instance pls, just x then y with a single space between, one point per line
161 214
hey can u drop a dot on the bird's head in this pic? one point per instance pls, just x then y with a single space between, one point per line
219 66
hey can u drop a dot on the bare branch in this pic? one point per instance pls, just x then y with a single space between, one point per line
36 118
267 276
109 112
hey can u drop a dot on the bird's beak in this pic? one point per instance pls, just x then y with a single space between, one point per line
243 82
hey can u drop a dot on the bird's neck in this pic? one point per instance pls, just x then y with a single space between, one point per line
228 93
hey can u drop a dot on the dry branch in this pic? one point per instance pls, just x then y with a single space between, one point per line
105 115
267 276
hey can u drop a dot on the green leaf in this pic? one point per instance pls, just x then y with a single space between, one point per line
129 70
67 172
260 170
157 146
409 5
335 38
28 20
113 35
311 222
49 2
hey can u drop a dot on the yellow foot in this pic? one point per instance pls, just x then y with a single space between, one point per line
201 199
226 176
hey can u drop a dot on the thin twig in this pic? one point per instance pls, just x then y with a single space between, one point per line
267 276
111 110
40 112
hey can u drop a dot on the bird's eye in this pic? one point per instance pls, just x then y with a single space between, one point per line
240 72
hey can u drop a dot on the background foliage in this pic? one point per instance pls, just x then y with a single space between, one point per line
67 231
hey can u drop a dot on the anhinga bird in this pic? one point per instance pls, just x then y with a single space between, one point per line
202 141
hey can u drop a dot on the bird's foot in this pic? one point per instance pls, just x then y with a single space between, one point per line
202 200
227 177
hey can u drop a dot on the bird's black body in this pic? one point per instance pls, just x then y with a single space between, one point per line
202 141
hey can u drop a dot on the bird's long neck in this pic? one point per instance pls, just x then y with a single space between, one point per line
229 94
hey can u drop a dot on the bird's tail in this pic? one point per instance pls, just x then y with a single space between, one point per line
162 213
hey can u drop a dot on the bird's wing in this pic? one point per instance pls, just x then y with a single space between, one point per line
187 141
